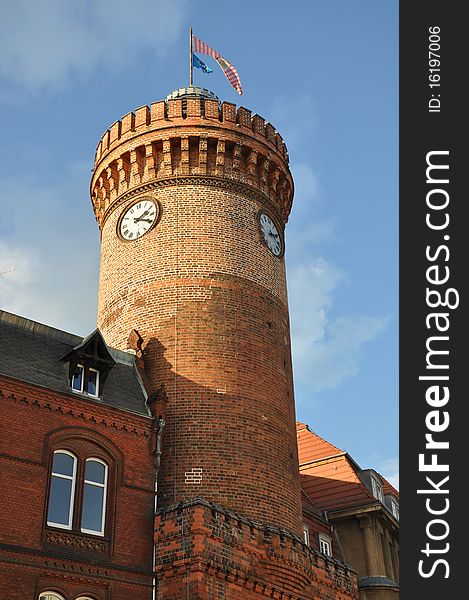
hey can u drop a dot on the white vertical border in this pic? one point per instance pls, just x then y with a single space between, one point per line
102 486
72 493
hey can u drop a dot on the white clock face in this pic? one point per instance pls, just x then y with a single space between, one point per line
270 234
138 219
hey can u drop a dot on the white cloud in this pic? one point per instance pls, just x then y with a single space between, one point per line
44 43
310 287
325 352
52 288
50 240
307 226
17 276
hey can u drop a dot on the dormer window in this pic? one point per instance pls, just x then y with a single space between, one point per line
85 380
395 508
377 489
89 364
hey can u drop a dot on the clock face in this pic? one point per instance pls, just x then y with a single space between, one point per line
138 219
270 234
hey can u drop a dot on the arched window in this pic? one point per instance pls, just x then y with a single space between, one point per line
94 497
84 598
62 490
50 596
78 486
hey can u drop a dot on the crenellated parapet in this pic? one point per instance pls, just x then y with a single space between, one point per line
209 548
195 137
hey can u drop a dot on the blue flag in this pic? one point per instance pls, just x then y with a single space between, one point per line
196 62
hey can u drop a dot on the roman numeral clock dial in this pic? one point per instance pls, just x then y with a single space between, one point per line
138 219
270 234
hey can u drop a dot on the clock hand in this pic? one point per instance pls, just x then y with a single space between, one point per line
142 219
144 214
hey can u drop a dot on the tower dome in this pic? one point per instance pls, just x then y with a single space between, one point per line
192 91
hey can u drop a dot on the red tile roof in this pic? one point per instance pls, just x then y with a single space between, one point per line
335 485
310 505
387 487
329 476
311 446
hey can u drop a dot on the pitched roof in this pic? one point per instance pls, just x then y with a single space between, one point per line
311 446
388 488
32 352
95 339
335 485
328 475
310 506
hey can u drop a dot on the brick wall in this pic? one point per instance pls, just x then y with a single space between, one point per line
207 553
209 299
35 557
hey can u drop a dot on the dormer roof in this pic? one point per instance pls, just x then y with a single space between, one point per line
93 348
38 354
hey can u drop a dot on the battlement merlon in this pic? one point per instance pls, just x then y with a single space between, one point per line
167 112
191 135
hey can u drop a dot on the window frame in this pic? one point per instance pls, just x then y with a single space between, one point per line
395 508
377 488
76 505
306 536
55 595
85 379
325 541
88 371
103 486
80 391
73 478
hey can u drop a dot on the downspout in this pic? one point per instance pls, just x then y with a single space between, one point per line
333 530
159 432
337 537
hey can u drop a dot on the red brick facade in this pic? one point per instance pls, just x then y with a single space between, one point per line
205 553
35 557
207 296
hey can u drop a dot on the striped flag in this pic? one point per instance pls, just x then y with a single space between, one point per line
227 68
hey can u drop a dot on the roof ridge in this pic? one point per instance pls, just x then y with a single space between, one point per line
59 335
305 426
39 328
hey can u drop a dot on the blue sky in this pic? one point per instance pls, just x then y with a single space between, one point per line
323 72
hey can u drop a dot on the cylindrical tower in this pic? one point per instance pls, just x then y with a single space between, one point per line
192 197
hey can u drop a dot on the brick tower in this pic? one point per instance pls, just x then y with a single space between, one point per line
192 197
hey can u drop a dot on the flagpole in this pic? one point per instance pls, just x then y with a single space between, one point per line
190 56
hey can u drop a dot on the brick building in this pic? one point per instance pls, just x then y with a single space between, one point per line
58 532
185 389
362 507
